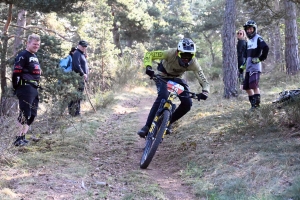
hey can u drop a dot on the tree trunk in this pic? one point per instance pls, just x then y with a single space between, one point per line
229 51
277 40
277 46
21 22
210 47
291 40
4 40
116 37
8 104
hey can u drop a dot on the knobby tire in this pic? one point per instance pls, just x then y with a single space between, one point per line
153 139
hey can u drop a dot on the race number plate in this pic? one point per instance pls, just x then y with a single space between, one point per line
175 87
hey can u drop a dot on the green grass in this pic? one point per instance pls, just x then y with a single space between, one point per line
239 154
219 150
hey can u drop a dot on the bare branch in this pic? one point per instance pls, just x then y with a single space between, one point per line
40 28
9 18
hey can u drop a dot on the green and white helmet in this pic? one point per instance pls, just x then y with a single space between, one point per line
186 45
186 51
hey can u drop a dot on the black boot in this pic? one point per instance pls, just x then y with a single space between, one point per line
19 141
252 102
169 129
143 132
257 100
24 140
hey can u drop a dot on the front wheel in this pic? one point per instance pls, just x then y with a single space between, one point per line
154 138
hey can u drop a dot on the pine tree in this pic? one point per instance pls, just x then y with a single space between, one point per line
291 39
229 51
26 5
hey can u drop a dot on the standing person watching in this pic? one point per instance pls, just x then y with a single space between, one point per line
25 80
174 63
66 63
257 51
241 48
80 66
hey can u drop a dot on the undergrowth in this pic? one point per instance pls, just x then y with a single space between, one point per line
220 149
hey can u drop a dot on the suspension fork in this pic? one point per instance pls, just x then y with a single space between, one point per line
164 105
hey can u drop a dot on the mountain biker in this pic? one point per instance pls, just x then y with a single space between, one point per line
174 63
257 51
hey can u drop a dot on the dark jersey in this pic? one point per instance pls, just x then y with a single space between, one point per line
79 63
241 48
27 67
256 48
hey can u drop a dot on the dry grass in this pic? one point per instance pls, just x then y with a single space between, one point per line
240 154
219 151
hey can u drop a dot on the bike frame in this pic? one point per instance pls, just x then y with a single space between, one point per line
164 105
161 121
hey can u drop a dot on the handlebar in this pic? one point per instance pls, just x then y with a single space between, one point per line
190 94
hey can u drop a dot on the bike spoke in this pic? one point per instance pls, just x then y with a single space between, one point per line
154 138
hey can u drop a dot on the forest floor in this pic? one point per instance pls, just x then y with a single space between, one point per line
96 157
217 151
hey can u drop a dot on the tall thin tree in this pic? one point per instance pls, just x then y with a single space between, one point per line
229 50
291 39
21 23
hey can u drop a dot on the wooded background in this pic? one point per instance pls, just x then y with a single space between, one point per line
120 31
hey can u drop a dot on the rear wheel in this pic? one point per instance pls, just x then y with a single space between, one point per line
154 138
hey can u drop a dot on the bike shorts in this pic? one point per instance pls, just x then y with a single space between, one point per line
28 101
251 80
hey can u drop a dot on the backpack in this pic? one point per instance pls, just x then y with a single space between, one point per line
66 64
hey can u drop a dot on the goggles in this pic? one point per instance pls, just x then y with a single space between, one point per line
186 55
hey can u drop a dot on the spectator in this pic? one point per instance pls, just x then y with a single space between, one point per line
80 66
25 79
257 51
241 48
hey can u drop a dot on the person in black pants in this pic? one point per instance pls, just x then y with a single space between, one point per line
241 48
25 80
80 66
174 63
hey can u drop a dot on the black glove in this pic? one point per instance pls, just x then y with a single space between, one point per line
149 71
202 95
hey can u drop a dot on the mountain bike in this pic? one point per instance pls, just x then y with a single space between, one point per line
286 97
158 128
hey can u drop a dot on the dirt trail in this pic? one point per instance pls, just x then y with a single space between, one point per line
160 170
107 169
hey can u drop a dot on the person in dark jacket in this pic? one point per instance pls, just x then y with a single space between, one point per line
73 49
257 51
80 66
241 51
25 80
